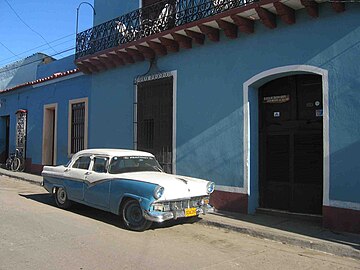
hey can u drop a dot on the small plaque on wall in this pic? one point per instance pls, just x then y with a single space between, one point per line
276 99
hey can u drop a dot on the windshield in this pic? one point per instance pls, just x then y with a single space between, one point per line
133 164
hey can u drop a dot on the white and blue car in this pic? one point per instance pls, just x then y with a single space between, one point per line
127 183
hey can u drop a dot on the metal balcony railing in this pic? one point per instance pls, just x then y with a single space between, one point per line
148 21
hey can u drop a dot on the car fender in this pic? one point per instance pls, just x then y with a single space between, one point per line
125 188
144 202
50 186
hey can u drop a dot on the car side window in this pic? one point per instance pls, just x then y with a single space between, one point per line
82 163
100 164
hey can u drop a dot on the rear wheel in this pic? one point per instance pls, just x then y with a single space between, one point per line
133 217
61 198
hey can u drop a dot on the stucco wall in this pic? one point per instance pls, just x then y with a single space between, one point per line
209 101
60 65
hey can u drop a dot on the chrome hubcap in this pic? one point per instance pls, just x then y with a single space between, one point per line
61 195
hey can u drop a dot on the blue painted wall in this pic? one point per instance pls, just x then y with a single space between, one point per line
60 65
34 99
209 97
109 9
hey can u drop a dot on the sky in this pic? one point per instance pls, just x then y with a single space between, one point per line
46 26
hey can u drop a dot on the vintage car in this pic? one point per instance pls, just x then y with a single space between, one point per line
127 183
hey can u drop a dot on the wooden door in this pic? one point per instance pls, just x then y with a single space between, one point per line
291 144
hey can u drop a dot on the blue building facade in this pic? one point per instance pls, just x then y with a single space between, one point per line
46 98
259 97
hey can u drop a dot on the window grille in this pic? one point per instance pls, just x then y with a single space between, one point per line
77 126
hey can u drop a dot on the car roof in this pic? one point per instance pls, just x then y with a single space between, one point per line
113 152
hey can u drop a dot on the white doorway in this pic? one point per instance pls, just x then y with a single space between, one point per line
49 135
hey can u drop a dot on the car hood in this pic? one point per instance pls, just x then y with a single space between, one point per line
175 186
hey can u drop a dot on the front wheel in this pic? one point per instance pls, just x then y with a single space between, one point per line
133 217
61 198
15 165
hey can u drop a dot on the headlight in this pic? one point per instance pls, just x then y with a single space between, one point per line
158 192
210 187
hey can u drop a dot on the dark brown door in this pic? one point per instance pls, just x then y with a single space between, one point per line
7 136
291 144
5 131
155 119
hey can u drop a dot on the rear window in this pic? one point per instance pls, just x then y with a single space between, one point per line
82 163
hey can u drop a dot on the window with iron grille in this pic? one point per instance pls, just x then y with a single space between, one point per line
77 126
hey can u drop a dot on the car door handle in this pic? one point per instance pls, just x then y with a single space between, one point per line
87 173
67 170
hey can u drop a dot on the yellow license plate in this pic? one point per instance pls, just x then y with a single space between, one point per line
190 212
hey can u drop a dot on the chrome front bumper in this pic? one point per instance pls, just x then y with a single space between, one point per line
157 216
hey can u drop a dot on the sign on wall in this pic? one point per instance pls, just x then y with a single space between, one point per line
276 99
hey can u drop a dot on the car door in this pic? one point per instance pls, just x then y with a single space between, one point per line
74 176
97 185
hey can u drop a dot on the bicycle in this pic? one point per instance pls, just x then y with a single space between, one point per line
14 162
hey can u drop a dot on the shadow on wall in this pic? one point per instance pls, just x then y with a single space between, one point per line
216 153
344 174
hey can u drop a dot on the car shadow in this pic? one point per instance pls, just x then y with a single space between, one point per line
100 215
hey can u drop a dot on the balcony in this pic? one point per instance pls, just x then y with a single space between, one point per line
171 25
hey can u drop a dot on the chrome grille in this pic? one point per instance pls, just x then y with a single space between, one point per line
183 204
179 205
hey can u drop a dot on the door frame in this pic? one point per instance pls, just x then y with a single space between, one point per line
251 129
49 107
155 77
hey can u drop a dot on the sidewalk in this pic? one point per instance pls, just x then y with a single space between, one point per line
291 231
35 179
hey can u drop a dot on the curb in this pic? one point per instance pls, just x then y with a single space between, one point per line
34 182
343 251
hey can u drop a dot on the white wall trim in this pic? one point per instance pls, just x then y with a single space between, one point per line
172 73
231 189
68 77
289 70
73 101
53 106
343 204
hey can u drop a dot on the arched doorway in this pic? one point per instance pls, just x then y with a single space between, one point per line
251 128
291 144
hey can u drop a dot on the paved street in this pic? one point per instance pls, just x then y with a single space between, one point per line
34 234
